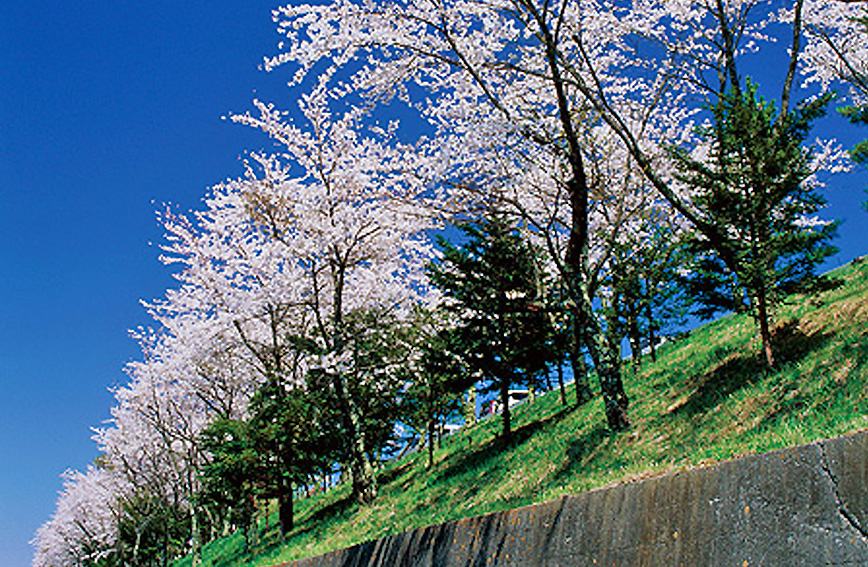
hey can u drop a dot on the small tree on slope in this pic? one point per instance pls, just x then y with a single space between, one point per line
756 188
491 282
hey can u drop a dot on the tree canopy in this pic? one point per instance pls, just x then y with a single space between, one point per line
291 345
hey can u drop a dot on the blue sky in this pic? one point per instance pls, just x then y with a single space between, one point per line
108 109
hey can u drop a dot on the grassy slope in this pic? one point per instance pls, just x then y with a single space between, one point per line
707 398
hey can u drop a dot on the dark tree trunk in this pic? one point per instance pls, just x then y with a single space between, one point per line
506 415
587 327
165 548
764 327
430 443
285 507
584 393
364 478
576 258
360 468
635 338
608 367
561 383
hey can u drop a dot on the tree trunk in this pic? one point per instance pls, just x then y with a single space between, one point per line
561 383
649 315
470 406
635 339
137 546
652 340
765 331
608 368
506 415
606 360
364 478
359 467
576 256
430 441
267 504
247 542
285 506
196 542
584 393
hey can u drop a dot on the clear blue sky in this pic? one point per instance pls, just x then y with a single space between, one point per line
105 106
108 109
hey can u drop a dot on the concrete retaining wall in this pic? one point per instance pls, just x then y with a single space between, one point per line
804 506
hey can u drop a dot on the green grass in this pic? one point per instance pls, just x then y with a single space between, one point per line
707 398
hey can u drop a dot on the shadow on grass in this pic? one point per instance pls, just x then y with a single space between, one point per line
389 475
311 525
580 451
823 284
229 559
465 462
334 510
789 345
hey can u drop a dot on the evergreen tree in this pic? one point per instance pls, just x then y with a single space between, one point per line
755 187
434 391
232 478
646 296
858 115
289 437
380 345
293 433
500 332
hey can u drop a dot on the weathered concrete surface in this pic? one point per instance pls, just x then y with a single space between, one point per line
805 506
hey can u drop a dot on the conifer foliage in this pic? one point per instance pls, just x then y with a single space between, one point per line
756 188
491 281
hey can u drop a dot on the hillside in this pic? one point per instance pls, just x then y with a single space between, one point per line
707 398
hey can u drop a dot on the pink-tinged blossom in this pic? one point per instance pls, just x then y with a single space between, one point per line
84 528
836 45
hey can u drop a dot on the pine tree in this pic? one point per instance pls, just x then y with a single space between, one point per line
436 383
291 433
500 332
232 476
755 187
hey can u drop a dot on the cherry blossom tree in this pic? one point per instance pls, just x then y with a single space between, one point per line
494 80
141 490
512 87
153 441
559 114
837 49
836 45
329 227
337 201
239 298
85 525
